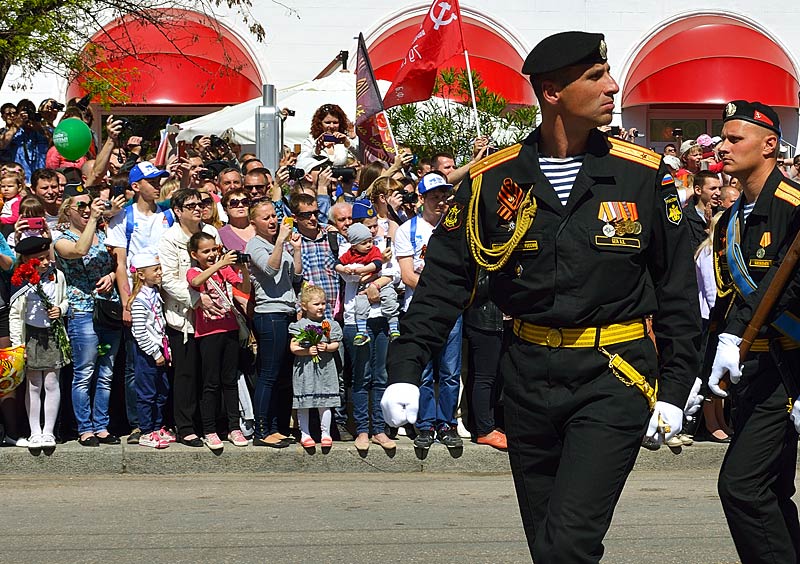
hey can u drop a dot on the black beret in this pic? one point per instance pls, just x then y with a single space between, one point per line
754 112
565 49
32 245
71 190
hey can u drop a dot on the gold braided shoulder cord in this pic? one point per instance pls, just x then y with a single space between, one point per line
483 255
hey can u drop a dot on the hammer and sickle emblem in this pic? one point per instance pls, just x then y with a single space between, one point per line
439 21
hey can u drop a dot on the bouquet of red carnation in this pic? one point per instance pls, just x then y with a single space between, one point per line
28 273
310 336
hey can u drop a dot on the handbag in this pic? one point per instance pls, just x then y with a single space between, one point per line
246 338
107 313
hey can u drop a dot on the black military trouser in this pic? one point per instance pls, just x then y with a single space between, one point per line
574 431
756 481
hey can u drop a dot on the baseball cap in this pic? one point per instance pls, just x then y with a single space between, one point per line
145 170
672 162
686 145
310 162
432 181
705 140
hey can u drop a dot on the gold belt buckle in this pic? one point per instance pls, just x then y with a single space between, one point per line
554 338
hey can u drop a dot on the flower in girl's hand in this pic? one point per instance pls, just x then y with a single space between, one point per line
309 337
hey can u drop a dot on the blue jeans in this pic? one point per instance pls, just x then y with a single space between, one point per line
446 368
152 388
272 331
369 374
91 383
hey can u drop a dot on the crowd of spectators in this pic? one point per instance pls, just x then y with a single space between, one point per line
235 302
227 300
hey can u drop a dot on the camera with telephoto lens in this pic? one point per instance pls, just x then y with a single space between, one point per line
410 198
295 173
343 172
126 123
216 141
56 106
241 258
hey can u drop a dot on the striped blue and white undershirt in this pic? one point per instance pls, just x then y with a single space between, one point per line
561 172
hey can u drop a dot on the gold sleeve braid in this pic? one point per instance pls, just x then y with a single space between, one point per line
493 259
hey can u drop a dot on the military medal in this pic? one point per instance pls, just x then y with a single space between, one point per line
766 239
621 218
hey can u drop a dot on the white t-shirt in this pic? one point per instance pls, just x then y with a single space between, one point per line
404 247
147 231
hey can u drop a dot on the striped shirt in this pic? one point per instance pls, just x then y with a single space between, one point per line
747 208
561 173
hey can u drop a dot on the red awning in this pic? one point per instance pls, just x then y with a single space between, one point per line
490 55
710 60
199 62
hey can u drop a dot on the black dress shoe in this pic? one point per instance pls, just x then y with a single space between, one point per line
195 442
283 443
90 441
108 439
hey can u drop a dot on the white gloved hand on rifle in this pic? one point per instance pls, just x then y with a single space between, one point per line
665 423
726 360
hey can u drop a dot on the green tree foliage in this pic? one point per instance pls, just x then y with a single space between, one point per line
54 35
446 123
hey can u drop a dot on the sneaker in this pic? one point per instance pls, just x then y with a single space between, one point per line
48 441
133 438
34 442
361 339
153 440
674 442
213 441
166 435
21 442
237 438
448 436
687 440
393 335
424 439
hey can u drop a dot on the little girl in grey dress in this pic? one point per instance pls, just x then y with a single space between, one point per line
314 342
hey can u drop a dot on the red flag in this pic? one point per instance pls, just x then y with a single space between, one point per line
438 39
372 126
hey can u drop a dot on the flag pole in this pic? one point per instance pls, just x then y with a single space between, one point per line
472 94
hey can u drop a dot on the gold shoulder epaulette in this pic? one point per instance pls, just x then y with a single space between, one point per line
493 160
788 193
634 153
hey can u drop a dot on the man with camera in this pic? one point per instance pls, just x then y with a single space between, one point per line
29 143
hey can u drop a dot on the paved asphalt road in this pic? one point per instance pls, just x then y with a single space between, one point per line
664 518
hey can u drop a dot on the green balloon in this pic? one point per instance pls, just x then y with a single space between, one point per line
72 138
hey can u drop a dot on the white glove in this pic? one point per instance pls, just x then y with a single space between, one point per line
695 400
726 360
400 404
670 424
795 415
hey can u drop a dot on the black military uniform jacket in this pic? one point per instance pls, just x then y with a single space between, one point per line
697 225
566 271
775 220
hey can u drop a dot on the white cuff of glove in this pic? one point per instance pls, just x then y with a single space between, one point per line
695 400
665 423
795 415
400 404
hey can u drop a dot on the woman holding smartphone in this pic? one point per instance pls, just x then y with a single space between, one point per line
333 136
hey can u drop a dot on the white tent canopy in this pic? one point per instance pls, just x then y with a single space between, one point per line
237 123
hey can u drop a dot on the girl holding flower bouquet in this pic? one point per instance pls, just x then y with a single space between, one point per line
36 320
315 380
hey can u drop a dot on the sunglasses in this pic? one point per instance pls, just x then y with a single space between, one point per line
307 214
254 186
82 206
192 206
236 203
206 202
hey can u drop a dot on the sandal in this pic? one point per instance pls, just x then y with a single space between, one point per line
308 442
326 442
